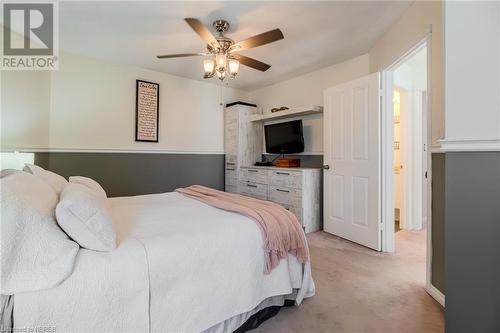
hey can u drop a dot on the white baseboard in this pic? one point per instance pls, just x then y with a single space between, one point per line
436 294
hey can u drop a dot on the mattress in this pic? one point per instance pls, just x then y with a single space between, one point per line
180 266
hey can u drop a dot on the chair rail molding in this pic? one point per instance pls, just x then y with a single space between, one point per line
468 144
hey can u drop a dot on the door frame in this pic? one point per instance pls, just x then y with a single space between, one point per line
387 142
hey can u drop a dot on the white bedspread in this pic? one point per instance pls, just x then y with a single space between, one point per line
204 265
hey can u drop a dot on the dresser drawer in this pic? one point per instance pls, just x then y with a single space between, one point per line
291 179
284 195
231 175
255 190
254 175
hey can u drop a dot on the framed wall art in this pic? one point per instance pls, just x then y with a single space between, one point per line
147 105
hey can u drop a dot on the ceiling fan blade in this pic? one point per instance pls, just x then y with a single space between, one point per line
180 55
258 40
202 31
251 62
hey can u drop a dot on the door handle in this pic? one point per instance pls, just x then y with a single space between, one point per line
326 167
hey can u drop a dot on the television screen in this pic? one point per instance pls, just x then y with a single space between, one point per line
284 138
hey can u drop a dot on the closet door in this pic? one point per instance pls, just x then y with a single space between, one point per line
352 161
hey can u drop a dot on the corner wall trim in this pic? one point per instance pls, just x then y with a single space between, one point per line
436 294
451 145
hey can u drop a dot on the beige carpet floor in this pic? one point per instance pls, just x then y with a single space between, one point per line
360 290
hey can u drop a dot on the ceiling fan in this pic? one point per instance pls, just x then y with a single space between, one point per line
225 60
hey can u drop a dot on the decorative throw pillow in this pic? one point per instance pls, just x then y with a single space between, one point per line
56 181
90 183
85 216
36 253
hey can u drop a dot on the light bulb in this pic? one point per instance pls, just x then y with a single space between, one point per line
220 60
209 66
234 67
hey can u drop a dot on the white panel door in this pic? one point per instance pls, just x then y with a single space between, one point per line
352 152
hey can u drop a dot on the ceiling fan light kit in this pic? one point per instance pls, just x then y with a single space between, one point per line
224 61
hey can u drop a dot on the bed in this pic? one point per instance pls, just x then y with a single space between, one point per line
180 266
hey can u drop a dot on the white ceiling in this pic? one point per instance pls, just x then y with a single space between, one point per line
317 34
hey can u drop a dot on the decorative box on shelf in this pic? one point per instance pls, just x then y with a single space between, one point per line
288 163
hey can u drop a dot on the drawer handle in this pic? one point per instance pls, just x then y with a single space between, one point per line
283 173
286 191
230 163
250 170
229 169
250 185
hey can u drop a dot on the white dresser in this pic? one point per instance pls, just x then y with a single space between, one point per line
297 189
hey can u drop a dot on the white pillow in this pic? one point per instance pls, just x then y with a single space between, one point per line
36 253
56 181
90 183
7 172
85 216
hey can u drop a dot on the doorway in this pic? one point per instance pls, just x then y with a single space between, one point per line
410 130
406 162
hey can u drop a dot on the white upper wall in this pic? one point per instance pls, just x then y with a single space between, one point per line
25 109
90 104
25 106
308 90
93 107
413 73
411 28
472 71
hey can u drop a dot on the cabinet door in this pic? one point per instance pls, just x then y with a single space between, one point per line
231 132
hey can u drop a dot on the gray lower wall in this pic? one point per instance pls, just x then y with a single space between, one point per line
472 214
124 174
438 222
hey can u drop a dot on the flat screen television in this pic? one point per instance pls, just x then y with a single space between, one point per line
284 138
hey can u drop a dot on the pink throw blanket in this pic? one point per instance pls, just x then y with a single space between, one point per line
280 228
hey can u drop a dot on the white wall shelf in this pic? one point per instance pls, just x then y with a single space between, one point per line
296 112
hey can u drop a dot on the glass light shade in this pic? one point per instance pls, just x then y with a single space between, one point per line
209 66
220 60
234 67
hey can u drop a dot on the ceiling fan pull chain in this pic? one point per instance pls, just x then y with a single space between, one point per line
220 94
